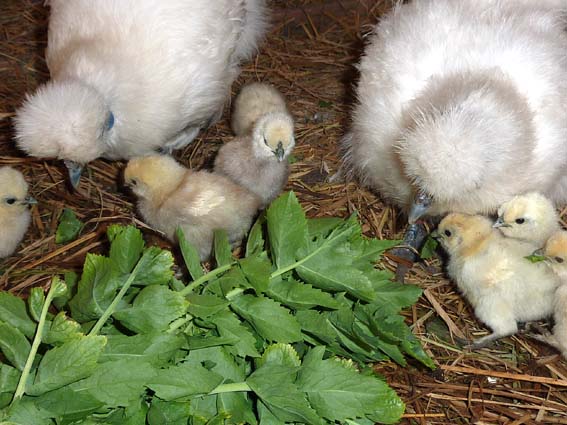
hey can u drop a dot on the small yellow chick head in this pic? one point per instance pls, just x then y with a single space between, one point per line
13 192
151 175
459 232
273 136
526 216
556 252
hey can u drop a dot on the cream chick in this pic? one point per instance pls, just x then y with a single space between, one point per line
172 196
254 101
15 216
556 252
258 161
490 270
531 217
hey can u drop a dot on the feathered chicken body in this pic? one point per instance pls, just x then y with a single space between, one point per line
129 77
463 103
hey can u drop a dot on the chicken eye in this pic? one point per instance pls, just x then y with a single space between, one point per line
447 233
520 221
558 259
10 201
265 141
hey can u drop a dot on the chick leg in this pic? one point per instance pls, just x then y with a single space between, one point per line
409 253
180 141
498 318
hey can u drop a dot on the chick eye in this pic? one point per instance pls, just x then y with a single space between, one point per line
447 233
558 259
265 141
10 201
520 220
133 182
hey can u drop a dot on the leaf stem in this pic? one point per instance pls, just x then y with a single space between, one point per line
231 388
205 278
21 388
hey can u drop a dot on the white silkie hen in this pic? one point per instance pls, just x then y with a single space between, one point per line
129 77
172 196
501 285
462 104
15 216
530 217
257 160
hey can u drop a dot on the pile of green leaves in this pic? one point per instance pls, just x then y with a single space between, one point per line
279 336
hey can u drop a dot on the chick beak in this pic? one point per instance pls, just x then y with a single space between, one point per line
500 223
279 152
29 200
435 234
538 252
75 170
419 207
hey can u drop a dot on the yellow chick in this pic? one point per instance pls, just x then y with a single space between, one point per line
254 101
556 252
15 216
531 217
172 196
490 270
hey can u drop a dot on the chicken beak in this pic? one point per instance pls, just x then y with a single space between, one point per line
538 252
435 234
419 207
75 170
29 200
279 152
500 223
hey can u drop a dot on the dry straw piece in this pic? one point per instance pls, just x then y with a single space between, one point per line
309 56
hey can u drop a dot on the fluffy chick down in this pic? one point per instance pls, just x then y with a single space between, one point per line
172 196
531 218
15 216
490 270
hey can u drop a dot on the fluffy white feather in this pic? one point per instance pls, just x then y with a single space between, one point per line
163 68
465 102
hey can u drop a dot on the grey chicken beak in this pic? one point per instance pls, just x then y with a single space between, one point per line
419 207
538 252
75 170
29 200
500 223
435 234
279 152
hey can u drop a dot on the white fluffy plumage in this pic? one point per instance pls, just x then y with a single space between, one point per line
15 216
257 159
129 77
465 102
530 217
171 196
490 270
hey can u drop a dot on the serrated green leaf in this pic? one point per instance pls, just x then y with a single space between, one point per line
61 330
280 354
206 305
155 267
322 226
71 280
14 345
223 250
68 363
69 227
169 412
257 270
156 348
13 311
255 242
339 393
187 379
228 325
190 255
153 310
317 325
267 417
126 245
272 321
69 404
391 297
299 295
429 248
287 230
35 302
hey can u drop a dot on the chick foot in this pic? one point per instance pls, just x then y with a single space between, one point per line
408 253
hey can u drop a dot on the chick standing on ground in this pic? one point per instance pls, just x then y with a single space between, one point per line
530 218
257 159
171 196
502 286
15 216
556 252
461 105
129 77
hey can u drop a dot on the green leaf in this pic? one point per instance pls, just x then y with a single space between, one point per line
14 345
228 325
35 302
62 330
68 363
69 227
190 255
126 245
274 385
429 248
153 310
223 250
272 321
206 305
13 312
535 258
70 404
317 325
169 412
255 242
322 226
156 348
280 354
9 377
25 412
257 270
299 295
338 392
325 104
391 297
71 280
96 289
155 267
287 230
183 381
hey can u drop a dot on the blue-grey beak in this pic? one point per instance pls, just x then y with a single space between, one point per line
500 223
29 200
279 152
419 207
75 170
538 252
